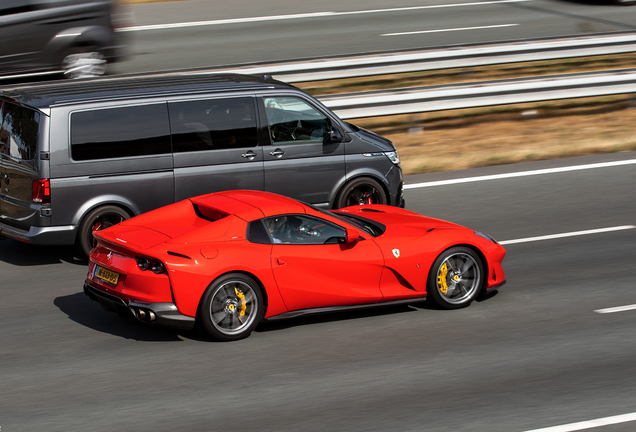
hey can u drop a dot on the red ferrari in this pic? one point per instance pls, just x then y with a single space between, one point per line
230 259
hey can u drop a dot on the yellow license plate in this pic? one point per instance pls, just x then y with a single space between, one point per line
106 275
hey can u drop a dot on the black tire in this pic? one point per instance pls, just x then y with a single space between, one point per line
455 278
226 300
98 219
625 2
360 191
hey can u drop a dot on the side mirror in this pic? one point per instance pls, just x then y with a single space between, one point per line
335 136
352 236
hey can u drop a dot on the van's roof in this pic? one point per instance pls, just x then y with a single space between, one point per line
56 93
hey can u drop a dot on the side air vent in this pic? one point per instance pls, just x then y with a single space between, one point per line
178 255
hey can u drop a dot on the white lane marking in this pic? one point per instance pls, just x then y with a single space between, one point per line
616 309
449 30
605 421
569 234
305 15
521 174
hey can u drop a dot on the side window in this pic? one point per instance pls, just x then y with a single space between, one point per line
120 132
303 230
213 124
293 120
19 130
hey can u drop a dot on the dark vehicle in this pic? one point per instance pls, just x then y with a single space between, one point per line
76 38
76 157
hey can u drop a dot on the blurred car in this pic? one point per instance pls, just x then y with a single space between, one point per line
75 38
230 259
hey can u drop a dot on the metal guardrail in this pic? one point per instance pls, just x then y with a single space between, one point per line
486 93
441 58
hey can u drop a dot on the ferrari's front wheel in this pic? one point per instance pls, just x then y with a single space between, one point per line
231 307
455 278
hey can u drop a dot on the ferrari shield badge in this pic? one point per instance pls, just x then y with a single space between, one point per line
396 253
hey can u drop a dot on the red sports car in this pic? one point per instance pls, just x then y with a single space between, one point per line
230 259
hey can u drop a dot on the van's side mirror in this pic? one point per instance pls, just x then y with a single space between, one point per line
335 136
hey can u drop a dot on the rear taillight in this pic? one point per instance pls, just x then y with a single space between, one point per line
42 191
153 265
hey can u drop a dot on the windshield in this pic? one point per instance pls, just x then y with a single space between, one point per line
372 228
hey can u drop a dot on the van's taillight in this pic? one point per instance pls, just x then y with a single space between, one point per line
42 191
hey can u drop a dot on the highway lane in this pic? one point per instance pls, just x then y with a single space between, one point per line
204 33
533 355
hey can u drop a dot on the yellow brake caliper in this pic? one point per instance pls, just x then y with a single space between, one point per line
241 296
441 279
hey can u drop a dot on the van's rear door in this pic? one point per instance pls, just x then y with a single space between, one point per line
19 133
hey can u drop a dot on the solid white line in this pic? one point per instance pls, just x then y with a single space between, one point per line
307 15
605 421
616 309
521 174
449 30
570 234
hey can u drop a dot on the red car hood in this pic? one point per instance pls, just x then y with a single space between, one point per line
399 221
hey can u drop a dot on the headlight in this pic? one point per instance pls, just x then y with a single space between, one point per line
393 157
486 236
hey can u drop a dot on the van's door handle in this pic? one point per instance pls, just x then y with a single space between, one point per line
278 153
249 155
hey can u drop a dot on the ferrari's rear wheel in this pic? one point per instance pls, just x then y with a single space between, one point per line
455 278
231 307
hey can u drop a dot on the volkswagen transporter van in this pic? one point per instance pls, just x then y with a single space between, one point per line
80 156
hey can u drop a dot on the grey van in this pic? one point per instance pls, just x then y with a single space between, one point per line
76 38
81 156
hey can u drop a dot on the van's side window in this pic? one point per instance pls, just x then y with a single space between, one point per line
120 132
213 124
19 128
292 120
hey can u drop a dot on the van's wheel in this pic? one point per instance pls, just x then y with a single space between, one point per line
98 219
231 307
83 62
361 191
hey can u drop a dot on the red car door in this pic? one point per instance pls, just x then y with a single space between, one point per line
312 270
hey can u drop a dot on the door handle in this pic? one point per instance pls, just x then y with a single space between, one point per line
278 153
249 155
280 261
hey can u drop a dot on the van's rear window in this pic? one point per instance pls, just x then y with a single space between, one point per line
120 132
19 130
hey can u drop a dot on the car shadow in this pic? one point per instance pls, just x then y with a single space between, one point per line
21 254
326 317
84 311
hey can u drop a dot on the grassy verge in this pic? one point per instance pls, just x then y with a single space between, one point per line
458 139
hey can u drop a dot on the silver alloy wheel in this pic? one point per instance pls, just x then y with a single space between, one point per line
84 65
233 308
458 278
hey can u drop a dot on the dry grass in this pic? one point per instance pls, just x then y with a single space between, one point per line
450 140
462 139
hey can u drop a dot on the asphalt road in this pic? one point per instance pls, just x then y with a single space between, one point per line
207 33
533 355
